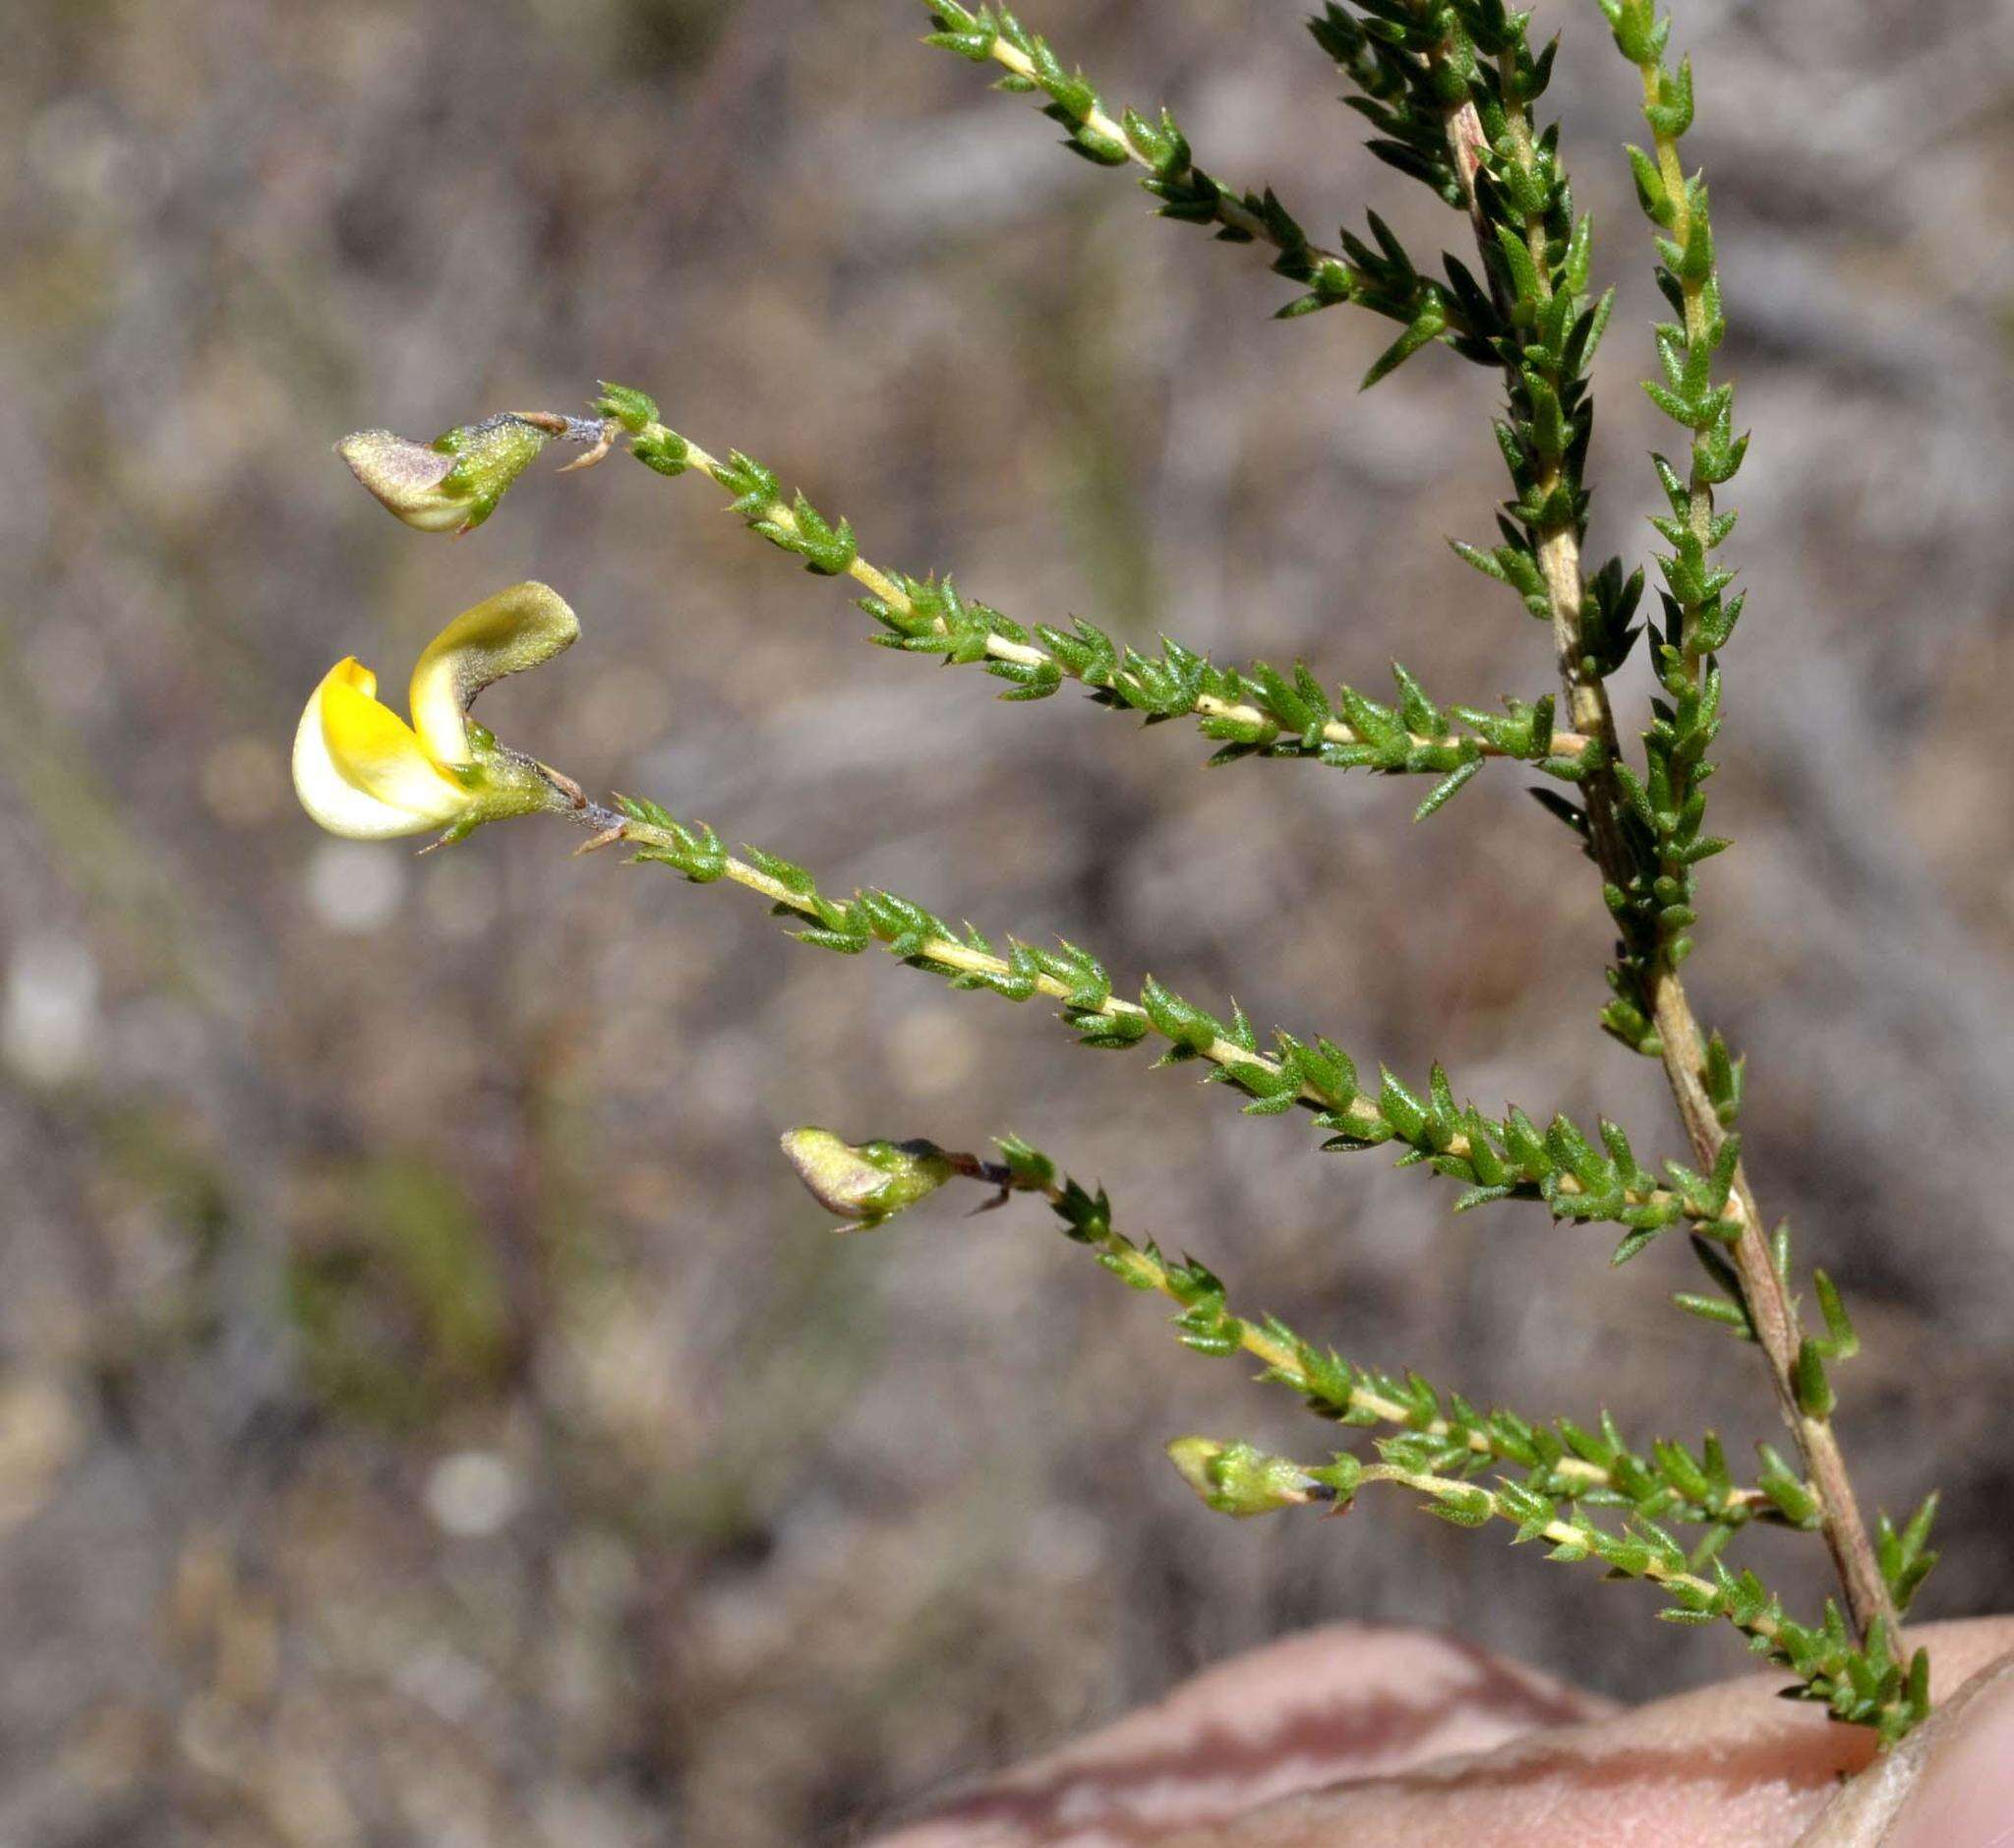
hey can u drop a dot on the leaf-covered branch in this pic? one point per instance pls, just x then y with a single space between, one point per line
1569 1460
1645 832
1449 87
1449 84
1442 1444
1867 1684
1465 69
1651 843
1378 274
1460 77
1259 711
1510 1158
1666 807
1702 618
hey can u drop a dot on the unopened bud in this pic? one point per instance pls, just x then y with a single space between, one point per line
1237 1479
865 1181
451 484
635 410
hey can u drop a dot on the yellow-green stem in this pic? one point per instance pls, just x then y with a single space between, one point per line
1140 1266
879 583
1692 292
947 953
1559 1532
1682 1045
1230 211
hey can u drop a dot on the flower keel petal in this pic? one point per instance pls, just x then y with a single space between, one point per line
361 771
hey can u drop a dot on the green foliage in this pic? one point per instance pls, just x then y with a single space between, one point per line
1443 1432
1439 79
1666 805
1450 90
1253 712
635 410
1449 87
696 851
1905 1557
1442 1444
1864 1683
1577 1177
1377 275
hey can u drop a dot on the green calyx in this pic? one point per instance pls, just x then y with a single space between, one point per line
1241 1481
488 457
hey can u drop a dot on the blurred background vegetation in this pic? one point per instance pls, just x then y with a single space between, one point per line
428 1409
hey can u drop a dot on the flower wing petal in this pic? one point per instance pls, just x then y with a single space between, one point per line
361 771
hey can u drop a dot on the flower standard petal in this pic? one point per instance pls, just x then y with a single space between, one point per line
451 484
361 771
408 478
515 630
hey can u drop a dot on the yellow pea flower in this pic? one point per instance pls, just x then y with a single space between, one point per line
361 771
451 484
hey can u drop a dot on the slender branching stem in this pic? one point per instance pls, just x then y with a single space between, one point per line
611 828
1143 1268
1777 1330
1564 1469
1332 1387
1681 1045
1874 1687
889 589
1694 290
1445 1490
1130 1021
1231 210
1451 86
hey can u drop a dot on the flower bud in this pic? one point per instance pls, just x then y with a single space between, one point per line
1237 1479
867 1181
635 410
451 484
